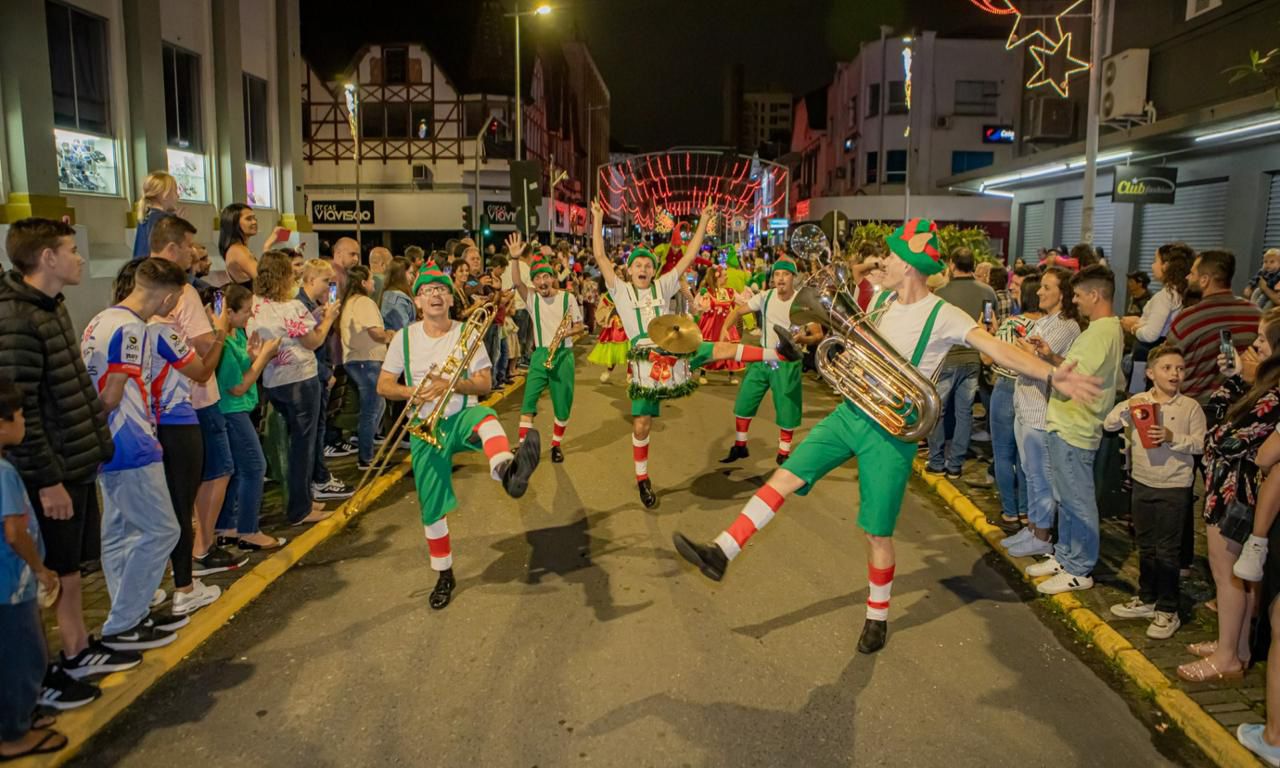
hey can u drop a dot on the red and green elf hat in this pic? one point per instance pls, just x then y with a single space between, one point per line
916 242
539 267
643 253
430 273
786 265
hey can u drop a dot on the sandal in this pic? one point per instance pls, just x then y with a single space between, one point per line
1203 649
249 546
43 722
1205 671
52 742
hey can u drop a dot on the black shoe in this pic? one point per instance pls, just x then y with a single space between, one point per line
363 466
952 475
874 635
647 496
515 476
709 558
216 560
142 637
786 346
557 455
226 541
98 659
736 452
166 622
782 458
62 692
443 593
928 470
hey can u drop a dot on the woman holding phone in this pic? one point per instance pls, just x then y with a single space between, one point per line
1171 266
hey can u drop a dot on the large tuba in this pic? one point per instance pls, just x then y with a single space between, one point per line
855 359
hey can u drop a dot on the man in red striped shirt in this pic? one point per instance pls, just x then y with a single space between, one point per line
1196 330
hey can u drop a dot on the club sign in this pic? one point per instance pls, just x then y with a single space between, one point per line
341 211
500 213
1144 184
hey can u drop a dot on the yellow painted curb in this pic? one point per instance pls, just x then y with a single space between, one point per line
121 689
1217 743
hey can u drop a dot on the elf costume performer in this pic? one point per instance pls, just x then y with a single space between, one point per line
781 379
420 350
548 307
655 371
922 328
611 344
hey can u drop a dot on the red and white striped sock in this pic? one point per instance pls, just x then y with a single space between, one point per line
756 515
438 545
746 354
740 426
495 444
881 584
525 426
784 441
640 453
557 432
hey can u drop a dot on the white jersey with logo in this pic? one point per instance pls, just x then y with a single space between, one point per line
171 392
115 341
425 352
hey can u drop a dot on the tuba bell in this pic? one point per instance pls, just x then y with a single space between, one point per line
854 358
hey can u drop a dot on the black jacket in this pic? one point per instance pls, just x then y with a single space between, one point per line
67 433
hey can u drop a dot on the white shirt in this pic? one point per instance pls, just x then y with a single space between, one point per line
1157 315
651 302
901 325
551 313
424 352
1171 464
508 282
289 321
778 313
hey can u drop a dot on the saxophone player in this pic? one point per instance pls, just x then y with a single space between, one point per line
922 328
421 350
557 319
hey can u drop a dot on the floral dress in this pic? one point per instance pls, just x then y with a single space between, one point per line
1231 447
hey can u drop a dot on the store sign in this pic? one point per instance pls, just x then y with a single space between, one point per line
802 210
500 213
779 223
998 134
1144 184
340 212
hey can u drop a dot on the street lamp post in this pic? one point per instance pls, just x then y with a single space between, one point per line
541 10
353 121
557 176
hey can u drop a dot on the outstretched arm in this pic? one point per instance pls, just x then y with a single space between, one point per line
597 244
1064 378
515 245
695 245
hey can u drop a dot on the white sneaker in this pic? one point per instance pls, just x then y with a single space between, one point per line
604 378
1249 565
1163 625
1020 536
1064 582
1250 735
1134 609
158 597
1031 547
1045 567
201 594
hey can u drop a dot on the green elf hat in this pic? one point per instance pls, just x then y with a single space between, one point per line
430 273
785 265
916 242
540 266
643 253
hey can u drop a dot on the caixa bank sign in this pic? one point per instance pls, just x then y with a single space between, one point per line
340 212
1144 184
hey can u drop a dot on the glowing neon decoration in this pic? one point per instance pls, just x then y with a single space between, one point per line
906 86
1043 55
1049 48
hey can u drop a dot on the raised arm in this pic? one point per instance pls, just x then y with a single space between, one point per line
1063 378
597 245
695 244
516 246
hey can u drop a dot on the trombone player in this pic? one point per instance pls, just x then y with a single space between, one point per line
420 351
557 319
921 328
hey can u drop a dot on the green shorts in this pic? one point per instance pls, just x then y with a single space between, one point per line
884 464
645 407
433 467
559 379
782 381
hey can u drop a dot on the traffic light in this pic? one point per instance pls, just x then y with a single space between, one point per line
468 218
485 228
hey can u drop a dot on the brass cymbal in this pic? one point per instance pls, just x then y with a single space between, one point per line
675 333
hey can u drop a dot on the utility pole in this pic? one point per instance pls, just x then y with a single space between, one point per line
1091 124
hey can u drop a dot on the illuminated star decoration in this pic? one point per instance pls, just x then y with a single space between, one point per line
1045 56
997 7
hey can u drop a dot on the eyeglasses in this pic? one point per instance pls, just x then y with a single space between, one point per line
430 289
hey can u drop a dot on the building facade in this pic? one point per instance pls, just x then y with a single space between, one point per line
98 93
766 119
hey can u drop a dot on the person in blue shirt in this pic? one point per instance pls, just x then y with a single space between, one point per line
159 199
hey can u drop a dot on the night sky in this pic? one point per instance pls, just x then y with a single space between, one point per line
665 61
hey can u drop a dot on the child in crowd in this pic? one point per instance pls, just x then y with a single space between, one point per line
1269 276
1162 485
21 632
611 345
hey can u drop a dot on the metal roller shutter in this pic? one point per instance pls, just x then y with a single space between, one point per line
1034 235
1198 218
1271 237
1070 214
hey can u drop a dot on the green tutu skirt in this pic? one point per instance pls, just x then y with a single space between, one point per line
609 354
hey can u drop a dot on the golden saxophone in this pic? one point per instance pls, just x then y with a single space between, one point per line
562 330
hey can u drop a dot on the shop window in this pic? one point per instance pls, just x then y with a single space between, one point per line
964 161
78 69
182 123
256 146
895 171
188 168
258 185
86 163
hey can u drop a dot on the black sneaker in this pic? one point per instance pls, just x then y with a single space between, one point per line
216 560
647 497
363 466
736 452
557 455
98 659
782 458
709 558
953 475
786 347
443 592
142 637
332 490
515 476
338 450
165 621
874 635
62 692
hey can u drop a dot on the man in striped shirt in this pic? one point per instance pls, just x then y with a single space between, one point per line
1196 329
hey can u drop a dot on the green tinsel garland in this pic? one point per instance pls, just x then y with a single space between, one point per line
637 392
642 353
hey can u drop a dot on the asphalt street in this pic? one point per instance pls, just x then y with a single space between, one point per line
578 637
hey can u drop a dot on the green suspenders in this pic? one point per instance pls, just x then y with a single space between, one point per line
923 343
408 368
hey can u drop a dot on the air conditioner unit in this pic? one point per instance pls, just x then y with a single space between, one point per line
1124 84
422 175
1051 119
942 122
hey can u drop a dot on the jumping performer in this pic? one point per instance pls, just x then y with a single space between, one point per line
421 350
548 308
611 344
781 379
922 328
657 373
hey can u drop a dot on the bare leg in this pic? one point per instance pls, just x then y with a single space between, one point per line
1233 603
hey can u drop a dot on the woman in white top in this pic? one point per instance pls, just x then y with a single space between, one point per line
291 379
1171 266
364 347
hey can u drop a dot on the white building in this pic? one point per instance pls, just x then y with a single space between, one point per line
766 119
